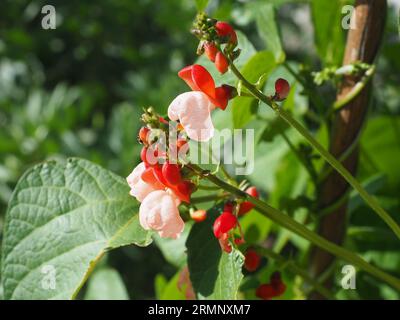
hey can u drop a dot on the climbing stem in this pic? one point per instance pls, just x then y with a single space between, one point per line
297 228
370 200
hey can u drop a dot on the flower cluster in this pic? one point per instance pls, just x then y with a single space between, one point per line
164 179
158 183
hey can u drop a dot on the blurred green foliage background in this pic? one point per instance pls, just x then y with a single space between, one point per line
79 90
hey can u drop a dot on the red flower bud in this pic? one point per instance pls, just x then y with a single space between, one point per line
224 223
221 63
144 134
171 173
275 288
277 283
282 89
265 292
228 207
246 206
198 215
211 50
252 260
225 30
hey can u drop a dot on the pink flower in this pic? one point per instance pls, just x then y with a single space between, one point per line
159 211
193 110
139 188
159 204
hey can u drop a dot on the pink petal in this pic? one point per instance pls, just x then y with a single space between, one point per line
193 110
159 212
139 188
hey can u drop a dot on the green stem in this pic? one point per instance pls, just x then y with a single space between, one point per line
297 228
212 197
371 201
355 90
294 268
300 157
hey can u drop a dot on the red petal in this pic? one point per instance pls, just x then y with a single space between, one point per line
222 96
148 176
186 75
183 191
203 80
171 173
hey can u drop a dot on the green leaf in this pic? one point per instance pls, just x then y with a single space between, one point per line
381 150
160 283
268 30
214 274
171 290
106 284
61 219
329 34
255 227
255 70
201 4
174 250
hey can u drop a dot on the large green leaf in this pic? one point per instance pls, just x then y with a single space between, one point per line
214 274
106 284
381 150
255 70
61 219
328 31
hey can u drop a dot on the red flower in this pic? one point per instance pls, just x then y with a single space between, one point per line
246 206
199 79
225 30
252 260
